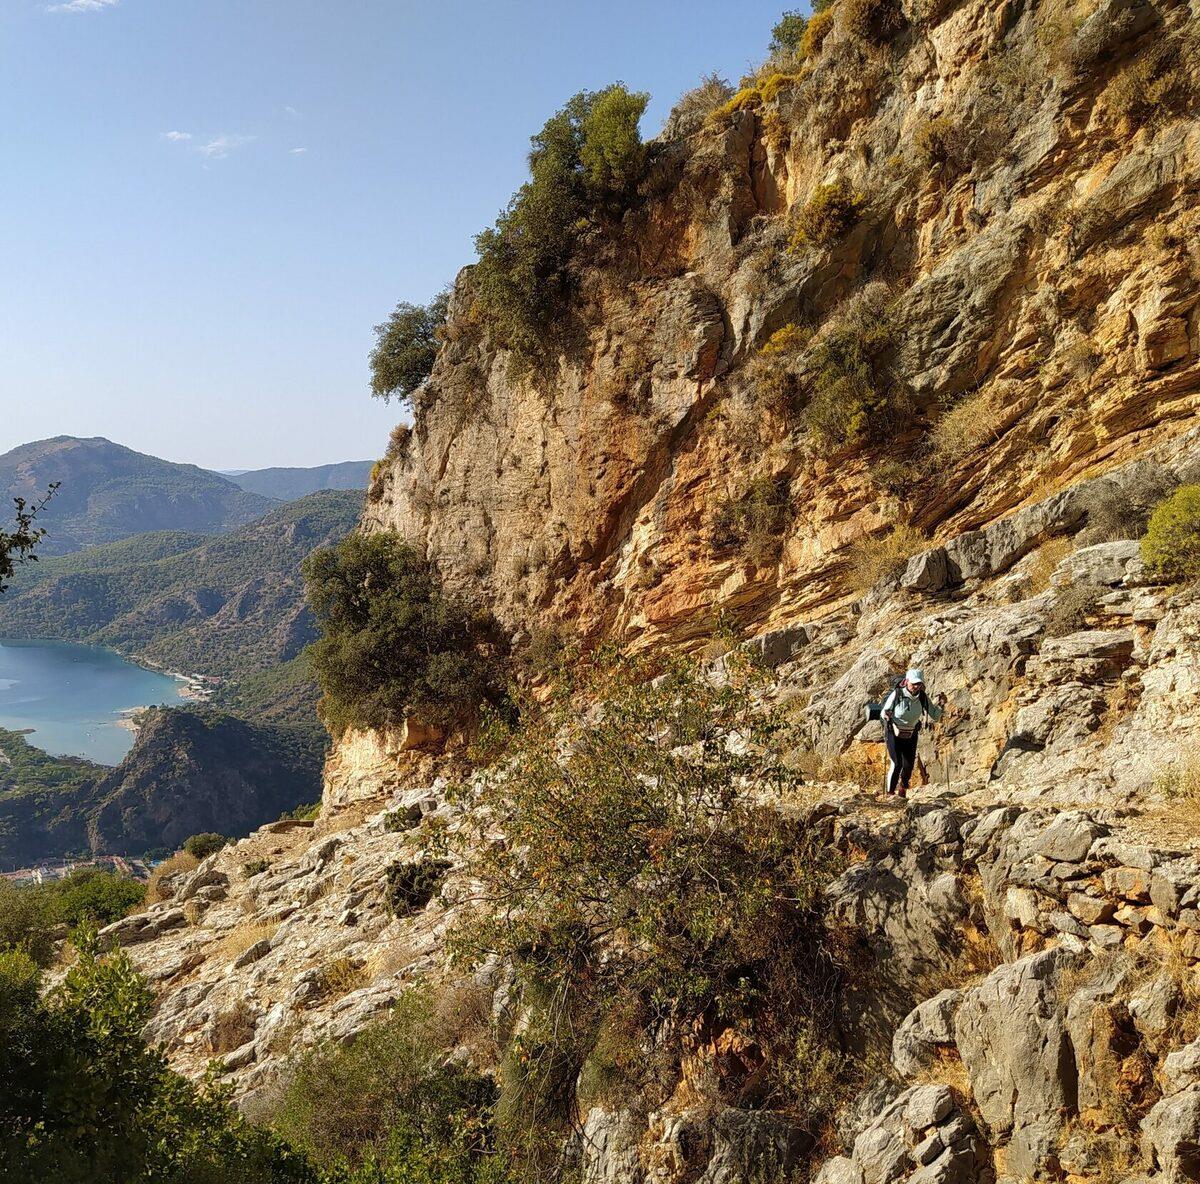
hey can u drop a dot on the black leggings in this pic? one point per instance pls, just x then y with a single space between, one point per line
902 752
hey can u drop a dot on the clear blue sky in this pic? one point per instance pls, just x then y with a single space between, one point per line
208 203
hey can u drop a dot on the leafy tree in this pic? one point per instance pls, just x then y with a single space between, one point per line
584 166
392 643
17 545
788 33
82 1098
1171 546
203 845
406 347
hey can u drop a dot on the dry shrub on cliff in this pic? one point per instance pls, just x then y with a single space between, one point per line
870 20
773 371
966 426
882 556
1123 511
156 890
1071 609
1045 561
855 396
754 521
1147 84
340 977
242 937
230 1029
692 110
831 211
936 140
398 441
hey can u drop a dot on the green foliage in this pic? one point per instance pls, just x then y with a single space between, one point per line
406 346
32 916
411 886
83 1099
1171 545
17 545
584 167
392 643
254 867
829 214
389 1108
638 873
203 845
755 520
93 896
855 398
788 33
305 812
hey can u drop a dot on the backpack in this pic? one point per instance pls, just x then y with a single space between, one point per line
875 710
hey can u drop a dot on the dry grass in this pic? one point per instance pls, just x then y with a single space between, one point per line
1045 559
230 1029
240 939
181 861
1179 783
968 425
879 557
342 976
859 765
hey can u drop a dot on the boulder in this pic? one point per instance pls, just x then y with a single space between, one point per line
1069 837
928 1027
1013 1040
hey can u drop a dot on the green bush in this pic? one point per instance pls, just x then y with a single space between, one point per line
83 1099
33 916
94 896
584 167
406 346
389 1106
205 844
392 643
254 867
1171 545
830 213
27 921
649 879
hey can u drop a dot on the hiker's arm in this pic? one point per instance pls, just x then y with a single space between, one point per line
934 708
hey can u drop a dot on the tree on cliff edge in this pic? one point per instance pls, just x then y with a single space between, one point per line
16 545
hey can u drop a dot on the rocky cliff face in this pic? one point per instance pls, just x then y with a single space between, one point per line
1033 1007
1029 225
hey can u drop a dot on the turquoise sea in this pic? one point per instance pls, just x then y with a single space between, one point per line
72 696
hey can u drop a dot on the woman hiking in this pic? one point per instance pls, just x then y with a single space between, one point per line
902 712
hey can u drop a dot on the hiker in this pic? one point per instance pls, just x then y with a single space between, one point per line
902 712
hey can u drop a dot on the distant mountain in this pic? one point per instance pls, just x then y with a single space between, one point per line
188 771
288 484
230 606
109 492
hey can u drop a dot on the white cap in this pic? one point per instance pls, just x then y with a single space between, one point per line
914 674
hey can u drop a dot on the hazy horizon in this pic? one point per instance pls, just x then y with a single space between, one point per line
210 205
